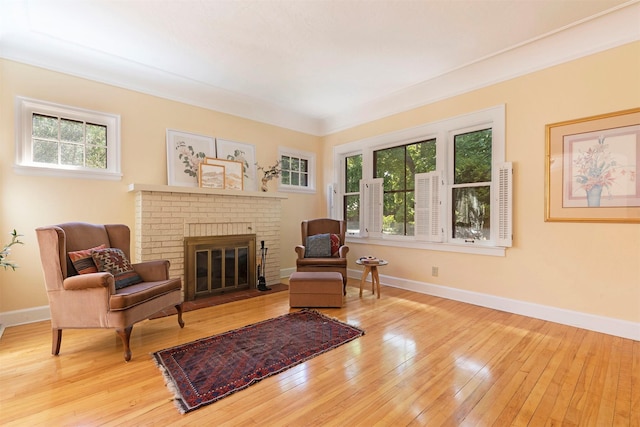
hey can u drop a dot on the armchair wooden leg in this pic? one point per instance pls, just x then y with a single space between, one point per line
56 339
125 335
179 310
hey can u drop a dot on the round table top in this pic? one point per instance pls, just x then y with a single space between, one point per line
379 263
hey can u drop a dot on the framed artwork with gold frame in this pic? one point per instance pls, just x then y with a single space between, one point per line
591 169
211 176
233 172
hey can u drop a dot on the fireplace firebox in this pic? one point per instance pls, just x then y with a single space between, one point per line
219 264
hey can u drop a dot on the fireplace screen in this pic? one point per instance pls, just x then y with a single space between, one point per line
218 264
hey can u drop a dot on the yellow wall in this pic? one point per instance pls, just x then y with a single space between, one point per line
590 268
30 201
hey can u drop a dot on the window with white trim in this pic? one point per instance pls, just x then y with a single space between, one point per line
441 185
298 171
351 191
59 140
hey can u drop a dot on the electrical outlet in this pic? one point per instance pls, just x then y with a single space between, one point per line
434 271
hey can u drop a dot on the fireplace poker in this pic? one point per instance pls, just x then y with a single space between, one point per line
262 282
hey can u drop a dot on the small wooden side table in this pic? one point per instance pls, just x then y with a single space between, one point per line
375 278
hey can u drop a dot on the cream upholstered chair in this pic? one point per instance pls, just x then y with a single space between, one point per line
312 255
90 299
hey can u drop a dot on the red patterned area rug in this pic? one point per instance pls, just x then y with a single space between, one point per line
204 371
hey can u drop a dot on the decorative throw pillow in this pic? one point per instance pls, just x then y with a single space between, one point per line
114 261
335 245
318 246
82 260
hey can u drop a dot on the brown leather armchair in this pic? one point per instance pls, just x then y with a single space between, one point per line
91 300
336 261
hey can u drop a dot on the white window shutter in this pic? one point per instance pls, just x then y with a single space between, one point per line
427 207
331 195
505 205
371 209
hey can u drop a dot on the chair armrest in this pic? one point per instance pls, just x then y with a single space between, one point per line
153 271
343 251
90 280
300 251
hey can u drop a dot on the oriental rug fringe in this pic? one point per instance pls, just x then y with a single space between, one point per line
204 371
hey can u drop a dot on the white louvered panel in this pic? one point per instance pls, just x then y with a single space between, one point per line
422 197
427 207
435 230
505 208
371 210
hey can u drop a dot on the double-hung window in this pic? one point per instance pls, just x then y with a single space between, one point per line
442 186
351 194
398 166
59 140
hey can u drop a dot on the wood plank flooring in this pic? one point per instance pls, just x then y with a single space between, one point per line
424 361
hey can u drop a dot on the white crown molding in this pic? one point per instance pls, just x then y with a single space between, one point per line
52 54
607 31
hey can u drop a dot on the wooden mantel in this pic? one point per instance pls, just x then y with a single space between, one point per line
198 190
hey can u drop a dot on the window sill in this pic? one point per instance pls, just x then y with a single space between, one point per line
294 189
66 173
443 247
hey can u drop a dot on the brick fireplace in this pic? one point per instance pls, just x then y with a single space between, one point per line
166 216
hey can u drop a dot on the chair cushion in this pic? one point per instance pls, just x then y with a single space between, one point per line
318 246
321 262
114 261
83 261
140 292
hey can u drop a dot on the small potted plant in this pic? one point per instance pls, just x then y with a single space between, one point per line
6 250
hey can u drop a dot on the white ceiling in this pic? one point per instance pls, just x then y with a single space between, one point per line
312 65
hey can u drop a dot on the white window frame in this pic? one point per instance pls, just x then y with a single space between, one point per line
336 208
311 165
25 108
435 207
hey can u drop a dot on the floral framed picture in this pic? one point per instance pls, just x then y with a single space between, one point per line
233 176
240 152
185 152
591 170
211 176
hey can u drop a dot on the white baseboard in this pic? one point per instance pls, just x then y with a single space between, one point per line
606 325
27 315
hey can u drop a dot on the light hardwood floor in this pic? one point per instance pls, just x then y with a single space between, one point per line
423 361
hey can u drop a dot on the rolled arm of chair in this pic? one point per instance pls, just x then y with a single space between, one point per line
343 251
153 271
300 251
91 280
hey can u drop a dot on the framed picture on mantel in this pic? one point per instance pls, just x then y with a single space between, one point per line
185 152
233 178
243 153
211 176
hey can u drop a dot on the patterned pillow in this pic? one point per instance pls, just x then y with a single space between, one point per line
114 261
82 260
318 246
335 245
